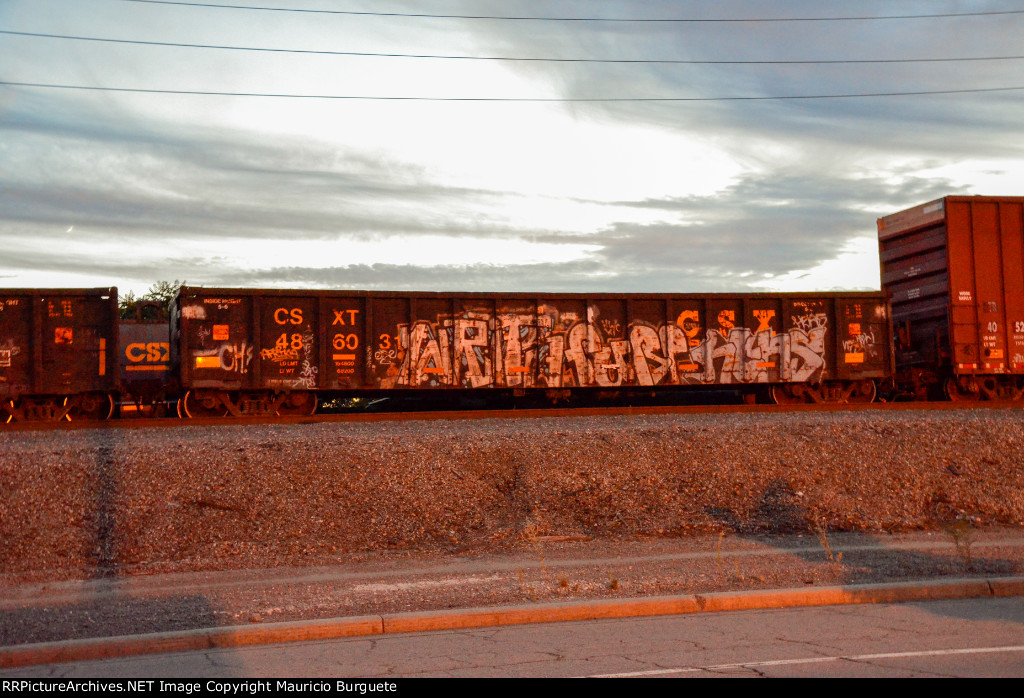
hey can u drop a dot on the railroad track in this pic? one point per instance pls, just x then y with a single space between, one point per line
529 413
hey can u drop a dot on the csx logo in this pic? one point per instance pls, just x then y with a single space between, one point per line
151 352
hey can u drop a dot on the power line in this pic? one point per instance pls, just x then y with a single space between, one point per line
140 90
942 15
513 58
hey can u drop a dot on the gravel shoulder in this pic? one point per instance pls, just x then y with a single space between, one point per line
107 532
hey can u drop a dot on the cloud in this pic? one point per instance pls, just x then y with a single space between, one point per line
632 196
163 180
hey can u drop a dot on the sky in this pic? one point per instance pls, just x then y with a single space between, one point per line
641 156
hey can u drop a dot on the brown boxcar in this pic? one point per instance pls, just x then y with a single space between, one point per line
954 269
58 353
245 351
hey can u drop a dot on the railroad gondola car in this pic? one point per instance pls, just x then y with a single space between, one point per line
147 387
266 352
58 353
949 321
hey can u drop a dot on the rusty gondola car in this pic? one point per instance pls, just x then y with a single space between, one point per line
58 353
954 269
266 352
148 388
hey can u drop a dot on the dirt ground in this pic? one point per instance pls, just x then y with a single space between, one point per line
104 531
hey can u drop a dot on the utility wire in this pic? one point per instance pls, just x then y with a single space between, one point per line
512 58
585 19
139 90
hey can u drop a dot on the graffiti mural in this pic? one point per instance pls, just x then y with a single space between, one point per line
550 348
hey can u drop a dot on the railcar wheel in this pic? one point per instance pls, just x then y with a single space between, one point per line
862 392
204 405
90 406
298 404
966 391
788 394
992 388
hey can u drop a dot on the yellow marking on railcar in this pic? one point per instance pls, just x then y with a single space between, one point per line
207 362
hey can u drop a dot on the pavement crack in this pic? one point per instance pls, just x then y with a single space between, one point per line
216 660
734 670
914 672
816 648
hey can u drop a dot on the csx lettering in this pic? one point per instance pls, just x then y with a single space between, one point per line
346 341
339 320
153 352
764 318
282 316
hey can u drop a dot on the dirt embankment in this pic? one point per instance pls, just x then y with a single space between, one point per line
116 501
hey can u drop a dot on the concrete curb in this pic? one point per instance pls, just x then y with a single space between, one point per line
300 631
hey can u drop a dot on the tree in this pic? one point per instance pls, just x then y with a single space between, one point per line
162 292
126 305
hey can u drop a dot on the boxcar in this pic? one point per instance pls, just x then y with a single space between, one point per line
245 351
954 269
58 353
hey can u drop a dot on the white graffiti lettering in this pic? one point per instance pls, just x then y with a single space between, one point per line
194 312
553 350
236 357
810 321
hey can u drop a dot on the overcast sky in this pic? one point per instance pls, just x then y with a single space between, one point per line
101 188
